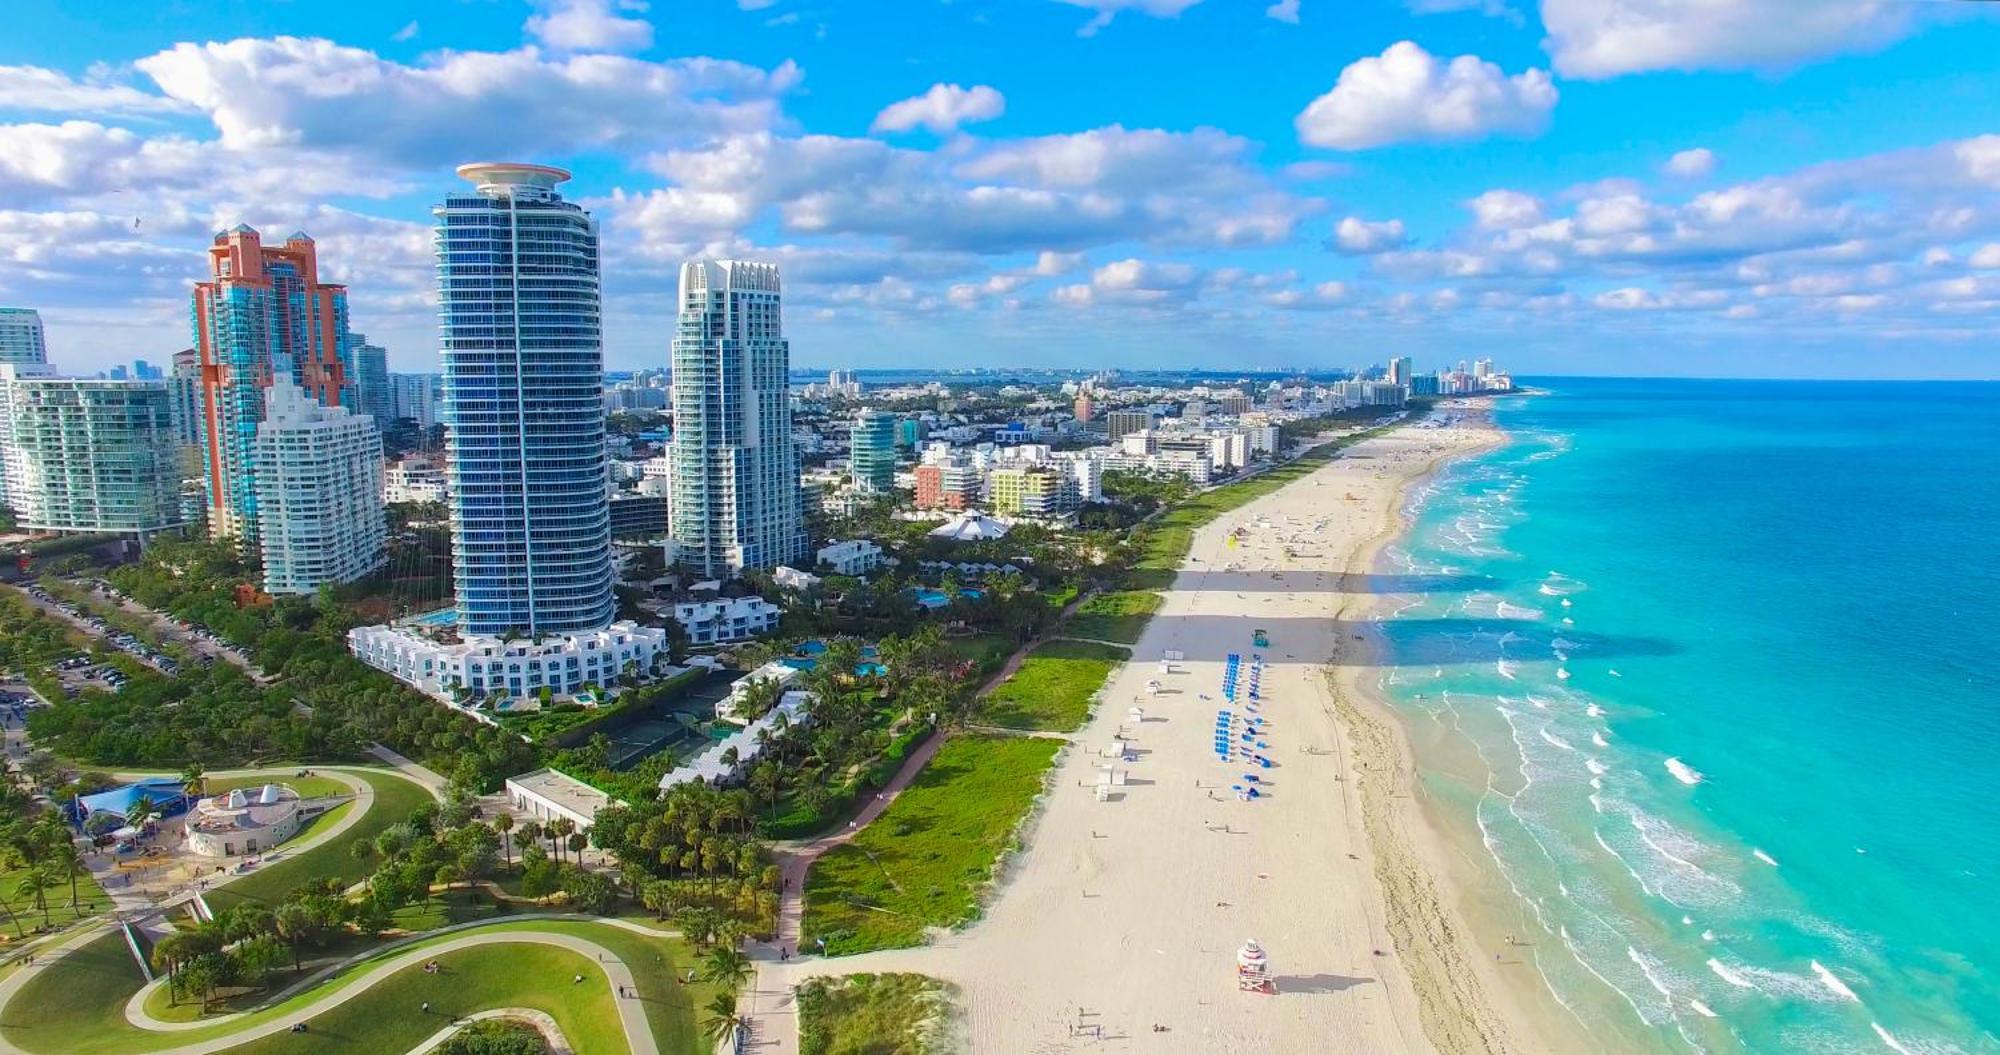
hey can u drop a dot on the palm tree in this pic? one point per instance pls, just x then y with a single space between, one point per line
294 922
142 812
722 1020
194 782
34 883
559 830
504 824
67 862
726 966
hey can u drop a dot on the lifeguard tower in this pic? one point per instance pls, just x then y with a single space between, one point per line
1253 970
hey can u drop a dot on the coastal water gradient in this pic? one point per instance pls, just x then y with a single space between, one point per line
1708 668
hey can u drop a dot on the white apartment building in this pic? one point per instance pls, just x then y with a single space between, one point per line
88 455
853 557
563 663
319 492
21 339
726 619
415 480
789 578
549 794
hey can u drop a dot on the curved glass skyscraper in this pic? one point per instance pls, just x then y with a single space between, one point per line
524 420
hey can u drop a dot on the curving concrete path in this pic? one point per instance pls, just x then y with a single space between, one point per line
631 1012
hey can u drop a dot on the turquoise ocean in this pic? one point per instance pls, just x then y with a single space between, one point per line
1709 669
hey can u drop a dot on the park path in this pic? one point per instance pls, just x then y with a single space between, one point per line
767 1002
552 1035
631 1011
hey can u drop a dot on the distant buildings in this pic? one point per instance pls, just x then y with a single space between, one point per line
263 311
88 455
481 667
22 342
1025 479
415 479
371 381
524 362
184 392
415 397
1119 423
853 557
872 452
736 499
319 492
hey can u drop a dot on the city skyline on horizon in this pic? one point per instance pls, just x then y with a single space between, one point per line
1535 182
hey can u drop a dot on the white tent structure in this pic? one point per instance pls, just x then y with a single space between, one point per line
970 527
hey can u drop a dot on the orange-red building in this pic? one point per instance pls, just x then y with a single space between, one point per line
263 309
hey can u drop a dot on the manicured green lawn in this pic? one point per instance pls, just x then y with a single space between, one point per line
1117 616
928 858
444 909
388 1017
311 787
394 799
874 1014
90 901
77 1006
984 651
1053 687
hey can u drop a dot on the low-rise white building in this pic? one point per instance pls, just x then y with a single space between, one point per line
853 557
726 619
561 663
548 794
794 579
414 480
714 766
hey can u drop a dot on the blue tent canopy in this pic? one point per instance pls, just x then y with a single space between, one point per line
166 796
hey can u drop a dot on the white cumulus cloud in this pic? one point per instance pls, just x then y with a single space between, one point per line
591 25
1407 94
1594 39
942 109
1284 11
1692 164
1358 236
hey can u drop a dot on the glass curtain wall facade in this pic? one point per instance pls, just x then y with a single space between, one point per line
264 309
523 380
872 452
736 500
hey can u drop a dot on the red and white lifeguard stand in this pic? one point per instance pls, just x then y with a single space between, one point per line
1253 970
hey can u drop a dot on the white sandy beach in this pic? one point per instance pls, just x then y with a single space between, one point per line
1116 929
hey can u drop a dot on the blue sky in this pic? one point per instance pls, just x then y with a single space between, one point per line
1721 187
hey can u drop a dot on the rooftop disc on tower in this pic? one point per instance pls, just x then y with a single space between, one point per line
507 177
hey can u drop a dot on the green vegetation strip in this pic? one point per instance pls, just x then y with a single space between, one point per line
395 797
926 860
1053 688
1120 616
875 1014
76 1006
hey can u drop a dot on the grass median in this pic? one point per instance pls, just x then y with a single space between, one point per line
926 861
1120 616
394 798
1053 688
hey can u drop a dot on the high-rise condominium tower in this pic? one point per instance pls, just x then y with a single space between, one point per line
523 376
371 381
736 501
21 341
872 451
263 309
319 489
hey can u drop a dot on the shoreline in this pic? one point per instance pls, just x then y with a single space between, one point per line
1116 924
1438 893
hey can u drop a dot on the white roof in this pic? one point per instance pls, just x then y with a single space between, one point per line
970 527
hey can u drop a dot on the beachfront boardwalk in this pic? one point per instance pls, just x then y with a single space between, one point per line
1117 927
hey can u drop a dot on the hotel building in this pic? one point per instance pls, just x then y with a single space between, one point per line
736 500
88 455
21 339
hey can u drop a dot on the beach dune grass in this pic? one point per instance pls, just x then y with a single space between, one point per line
1119 616
875 1014
928 858
1053 688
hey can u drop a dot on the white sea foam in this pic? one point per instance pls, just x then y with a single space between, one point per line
1505 668
1832 981
1562 643
1648 967
1553 740
1723 972
1615 674
1550 591
1596 803
1561 673
1708 935
1515 611
1890 1039
1594 711
1683 772
1701 1009
1597 769
1567 621
1599 740
1764 857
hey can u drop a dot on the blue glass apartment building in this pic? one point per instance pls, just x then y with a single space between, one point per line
524 421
